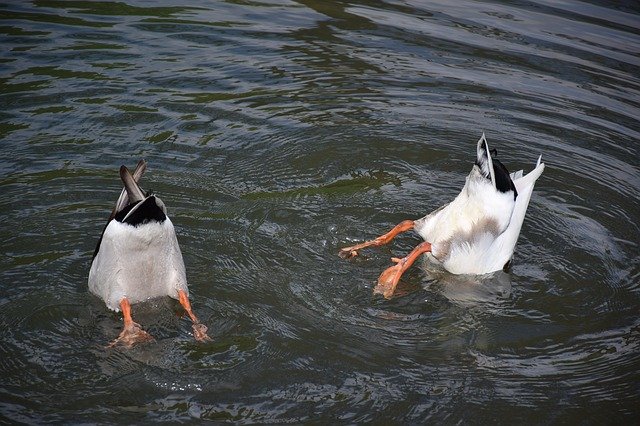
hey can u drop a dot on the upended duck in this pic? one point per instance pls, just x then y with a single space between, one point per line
476 233
138 258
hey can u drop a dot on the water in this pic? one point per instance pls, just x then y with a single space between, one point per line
278 132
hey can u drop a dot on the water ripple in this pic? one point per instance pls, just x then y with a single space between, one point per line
278 132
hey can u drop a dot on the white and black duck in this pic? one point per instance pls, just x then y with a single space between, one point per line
476 233
138 258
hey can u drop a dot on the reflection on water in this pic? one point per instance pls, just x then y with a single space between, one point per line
470 290
278 132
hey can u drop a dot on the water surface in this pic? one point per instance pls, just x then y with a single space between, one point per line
278 132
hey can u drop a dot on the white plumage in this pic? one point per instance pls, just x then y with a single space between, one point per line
137 262
477 232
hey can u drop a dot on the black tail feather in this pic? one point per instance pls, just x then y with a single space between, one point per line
142 212
503 179
489 165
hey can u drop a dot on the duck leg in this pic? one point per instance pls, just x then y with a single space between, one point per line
390 277
199 329
132 332
349 252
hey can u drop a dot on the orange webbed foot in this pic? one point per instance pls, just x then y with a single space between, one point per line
199 329
200 332
347 253
389 279
131 334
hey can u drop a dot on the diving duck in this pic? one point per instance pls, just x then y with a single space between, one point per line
476 233
138 258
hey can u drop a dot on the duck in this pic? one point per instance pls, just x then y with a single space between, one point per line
474 234
138 258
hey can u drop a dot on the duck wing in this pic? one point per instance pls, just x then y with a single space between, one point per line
506 242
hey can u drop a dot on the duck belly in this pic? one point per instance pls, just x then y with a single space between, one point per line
137 262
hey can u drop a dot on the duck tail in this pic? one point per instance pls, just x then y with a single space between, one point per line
484 161
123 199
134 192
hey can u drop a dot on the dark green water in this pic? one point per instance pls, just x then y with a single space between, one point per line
278 132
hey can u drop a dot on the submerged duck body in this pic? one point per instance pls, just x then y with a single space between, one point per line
477 232
138 258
